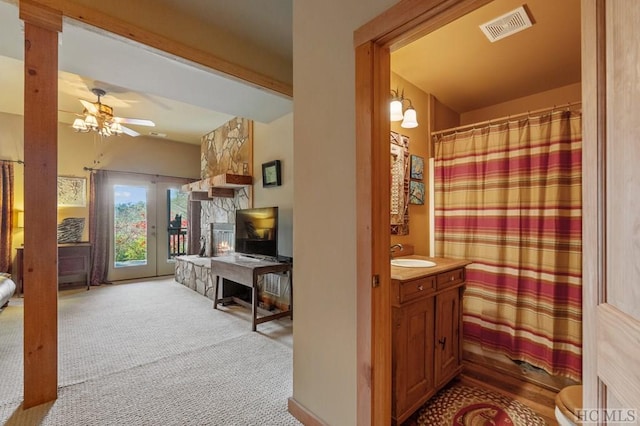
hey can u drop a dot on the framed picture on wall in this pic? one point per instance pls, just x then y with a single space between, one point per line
271 175
416 192
72 191
417 167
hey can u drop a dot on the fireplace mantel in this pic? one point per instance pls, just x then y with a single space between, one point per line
223 185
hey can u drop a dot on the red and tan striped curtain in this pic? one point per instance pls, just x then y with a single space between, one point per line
6 212
508 198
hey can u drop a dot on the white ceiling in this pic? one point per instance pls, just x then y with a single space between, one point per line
184 101
267 24
465 71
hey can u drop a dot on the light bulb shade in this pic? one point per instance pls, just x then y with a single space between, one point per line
91 121
116 128
78 125
396 110
410 121
105 131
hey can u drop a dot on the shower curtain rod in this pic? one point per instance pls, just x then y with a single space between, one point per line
568 106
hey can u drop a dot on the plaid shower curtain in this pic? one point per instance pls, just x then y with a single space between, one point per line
508 198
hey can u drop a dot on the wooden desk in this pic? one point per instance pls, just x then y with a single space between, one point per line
245 270
74 264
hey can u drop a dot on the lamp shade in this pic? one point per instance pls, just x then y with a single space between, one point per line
396 110
410 121
79 125
20 219
116 128
91 121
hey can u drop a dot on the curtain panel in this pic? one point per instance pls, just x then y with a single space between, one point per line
99 227
508 198
6 213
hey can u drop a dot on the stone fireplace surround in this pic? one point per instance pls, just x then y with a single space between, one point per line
227 149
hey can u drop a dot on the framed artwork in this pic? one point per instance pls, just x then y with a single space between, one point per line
271 175
72 191
417 167
416 192
400 171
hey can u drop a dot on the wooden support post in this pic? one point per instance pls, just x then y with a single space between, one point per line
40 200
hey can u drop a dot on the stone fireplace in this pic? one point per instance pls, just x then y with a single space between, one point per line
226 150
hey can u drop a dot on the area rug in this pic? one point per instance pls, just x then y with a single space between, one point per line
461 405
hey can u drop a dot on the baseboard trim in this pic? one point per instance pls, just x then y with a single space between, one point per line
302 414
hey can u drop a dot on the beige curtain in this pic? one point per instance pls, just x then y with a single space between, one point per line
99 227
6 212
508 198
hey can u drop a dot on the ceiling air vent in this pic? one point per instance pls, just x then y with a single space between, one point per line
506 25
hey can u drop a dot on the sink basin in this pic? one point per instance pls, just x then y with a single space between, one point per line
412 263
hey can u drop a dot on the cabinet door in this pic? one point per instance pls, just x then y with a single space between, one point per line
413 354
447 339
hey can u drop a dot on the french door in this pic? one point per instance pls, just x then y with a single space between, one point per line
148 227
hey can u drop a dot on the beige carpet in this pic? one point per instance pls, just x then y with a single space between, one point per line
153 353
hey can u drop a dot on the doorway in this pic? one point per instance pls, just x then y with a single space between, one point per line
395 28
148 223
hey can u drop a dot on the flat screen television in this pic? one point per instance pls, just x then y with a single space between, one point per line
257 231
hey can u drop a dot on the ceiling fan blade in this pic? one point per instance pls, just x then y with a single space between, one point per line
130 132
137 121
71 112
89 106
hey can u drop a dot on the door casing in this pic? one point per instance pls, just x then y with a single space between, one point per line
398 26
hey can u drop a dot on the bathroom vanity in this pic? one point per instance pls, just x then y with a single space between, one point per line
427 331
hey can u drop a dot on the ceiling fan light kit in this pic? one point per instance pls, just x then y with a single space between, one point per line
98 117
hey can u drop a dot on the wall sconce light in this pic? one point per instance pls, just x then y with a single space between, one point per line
20 219
409 119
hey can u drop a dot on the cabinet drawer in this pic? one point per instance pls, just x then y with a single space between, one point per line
450 278
411 290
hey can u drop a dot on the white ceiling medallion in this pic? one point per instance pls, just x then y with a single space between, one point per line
506 25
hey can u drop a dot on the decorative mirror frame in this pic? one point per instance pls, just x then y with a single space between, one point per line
400 177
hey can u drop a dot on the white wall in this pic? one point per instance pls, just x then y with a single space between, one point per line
324 355
559 97
274 141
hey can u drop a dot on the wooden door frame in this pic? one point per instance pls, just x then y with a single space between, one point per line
593 190
400 25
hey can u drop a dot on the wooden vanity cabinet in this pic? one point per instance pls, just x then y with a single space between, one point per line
426 335
447 357
413 354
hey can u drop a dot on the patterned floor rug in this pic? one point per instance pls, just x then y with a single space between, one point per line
461 405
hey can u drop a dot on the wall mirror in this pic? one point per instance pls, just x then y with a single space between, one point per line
399 184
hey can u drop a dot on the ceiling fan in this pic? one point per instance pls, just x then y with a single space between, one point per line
99 117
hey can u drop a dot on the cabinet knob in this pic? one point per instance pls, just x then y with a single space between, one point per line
420 288
452 278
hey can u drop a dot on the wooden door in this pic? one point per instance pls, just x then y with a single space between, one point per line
611 209
447 344
413 356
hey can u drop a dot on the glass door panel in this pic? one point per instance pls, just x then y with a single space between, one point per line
172 226
133 237
130 226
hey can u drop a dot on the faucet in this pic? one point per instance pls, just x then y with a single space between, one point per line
395 246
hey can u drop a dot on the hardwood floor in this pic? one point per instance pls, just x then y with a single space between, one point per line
540 399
